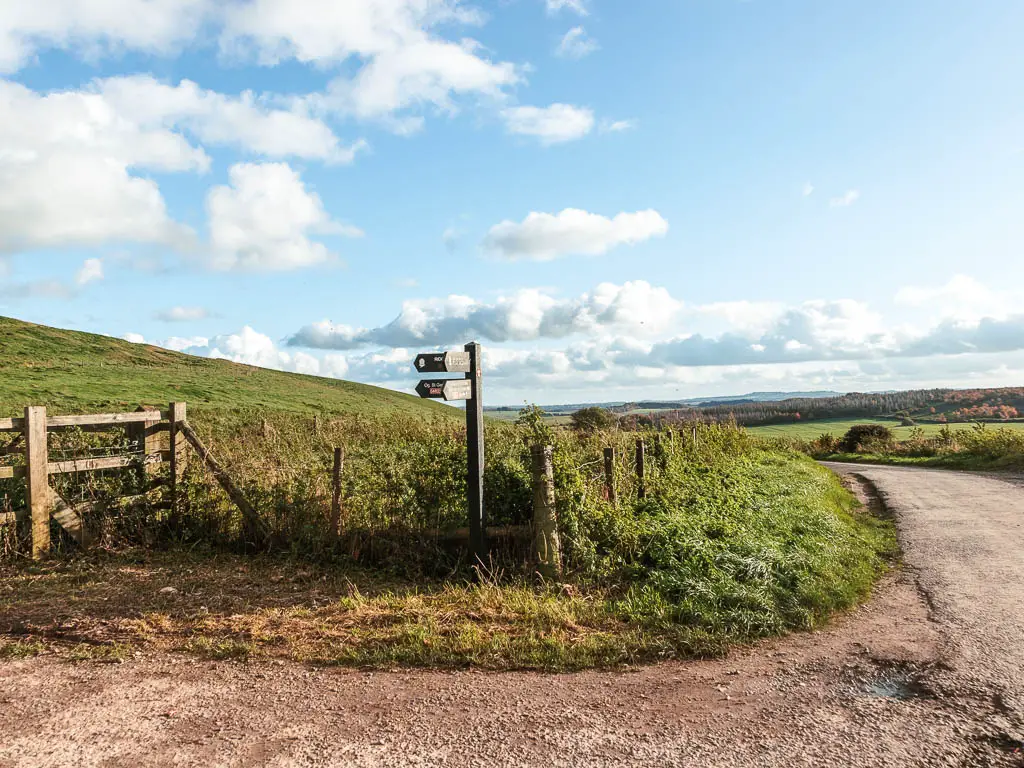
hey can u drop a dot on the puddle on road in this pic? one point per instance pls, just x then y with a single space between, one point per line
900 683
892 688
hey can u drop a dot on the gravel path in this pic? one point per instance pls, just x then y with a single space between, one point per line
929 673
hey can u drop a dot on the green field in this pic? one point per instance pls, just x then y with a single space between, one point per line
808 430
70 371
554 420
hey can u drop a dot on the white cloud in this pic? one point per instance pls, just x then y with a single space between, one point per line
95 26
245 121
552 125
250 347
747 317
179 343
402 63
962 298
134 338
452 238
545 236
576 44
845 201
68 159
392 53
619 350
65 161
616 126
576 6
79 199
90 271
35 289
264 219
525 315
183 314
808 189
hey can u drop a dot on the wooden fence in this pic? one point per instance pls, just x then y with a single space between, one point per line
147 427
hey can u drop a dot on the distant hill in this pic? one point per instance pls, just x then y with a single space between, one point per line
752 397
71 371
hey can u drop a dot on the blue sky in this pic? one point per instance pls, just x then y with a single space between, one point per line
619 200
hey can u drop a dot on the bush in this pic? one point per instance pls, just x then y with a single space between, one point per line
868 438
592 419
824 445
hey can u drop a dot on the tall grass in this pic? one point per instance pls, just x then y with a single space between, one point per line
732 540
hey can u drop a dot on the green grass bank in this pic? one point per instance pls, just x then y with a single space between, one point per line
733 541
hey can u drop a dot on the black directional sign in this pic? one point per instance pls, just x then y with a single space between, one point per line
442 362
470 389
445 389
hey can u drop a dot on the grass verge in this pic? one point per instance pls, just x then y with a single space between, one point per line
757 544
960 461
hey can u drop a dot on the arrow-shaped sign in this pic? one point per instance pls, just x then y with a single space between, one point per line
442 362
445 389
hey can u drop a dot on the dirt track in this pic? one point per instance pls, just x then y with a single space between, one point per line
928 673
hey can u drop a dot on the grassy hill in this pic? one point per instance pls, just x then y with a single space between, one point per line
71 371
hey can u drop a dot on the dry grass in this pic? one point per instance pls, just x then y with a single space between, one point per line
106 607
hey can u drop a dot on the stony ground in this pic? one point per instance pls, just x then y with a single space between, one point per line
929 673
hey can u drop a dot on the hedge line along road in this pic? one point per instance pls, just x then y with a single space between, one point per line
928 673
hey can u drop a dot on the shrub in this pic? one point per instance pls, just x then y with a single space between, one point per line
868 438
592 419
824 445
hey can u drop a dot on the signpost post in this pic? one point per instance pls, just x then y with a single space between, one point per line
469 389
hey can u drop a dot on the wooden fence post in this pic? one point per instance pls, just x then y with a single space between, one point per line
546 543
177 444
609 474
147 435
641 491
37 485
660 454
339 464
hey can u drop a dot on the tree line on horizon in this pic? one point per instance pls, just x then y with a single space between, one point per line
938 405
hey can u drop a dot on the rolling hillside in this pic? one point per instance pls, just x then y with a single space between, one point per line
70 371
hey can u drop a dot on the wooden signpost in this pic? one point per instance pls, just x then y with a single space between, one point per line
445 389
469 389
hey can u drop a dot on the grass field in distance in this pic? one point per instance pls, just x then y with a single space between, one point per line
808 430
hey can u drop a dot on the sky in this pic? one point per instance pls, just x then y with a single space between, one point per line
619 201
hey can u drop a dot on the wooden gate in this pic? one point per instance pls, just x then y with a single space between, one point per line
148 427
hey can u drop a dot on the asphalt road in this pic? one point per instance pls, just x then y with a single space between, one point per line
928 673
963 536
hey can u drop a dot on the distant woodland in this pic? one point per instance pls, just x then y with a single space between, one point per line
921 405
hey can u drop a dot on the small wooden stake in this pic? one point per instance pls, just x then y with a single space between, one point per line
177 445
37 484
547 546
339 464
641 491
609 474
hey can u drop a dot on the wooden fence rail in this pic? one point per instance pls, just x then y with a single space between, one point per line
145 426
